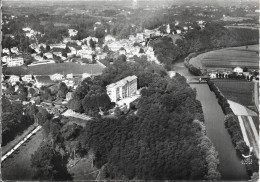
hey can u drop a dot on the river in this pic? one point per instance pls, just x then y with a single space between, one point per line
230 164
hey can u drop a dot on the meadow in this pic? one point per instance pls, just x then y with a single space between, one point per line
228 58
237 90
49 69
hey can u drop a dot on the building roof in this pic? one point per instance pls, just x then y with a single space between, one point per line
122 82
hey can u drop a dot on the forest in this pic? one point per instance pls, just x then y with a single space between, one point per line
213 36
162 139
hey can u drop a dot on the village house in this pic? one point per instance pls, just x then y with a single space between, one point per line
6 51
122 89
69 83
11 62
109 38
69 76
66 39
85 75
15 50
13 79
68 96
72 32
238 70
62 46
178 31
122 51
27 29
48 55
27 78
56 76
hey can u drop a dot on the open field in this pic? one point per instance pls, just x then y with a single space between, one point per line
237 90
229 58
256 123
49 69
18 166
83 170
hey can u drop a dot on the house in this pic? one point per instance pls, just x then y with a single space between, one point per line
27 78
213 75
178 31
85 75
122 51
69 96
238 70
62 46
69 83
56 76
140 36
122 89
11 62
48 55
171 74
69 76
15 50
5 50
27 29
168 29
109 38
66 39
72 32
14 79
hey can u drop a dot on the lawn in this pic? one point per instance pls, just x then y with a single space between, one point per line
228 58
49 69
18 166
83 170
256 123
237 90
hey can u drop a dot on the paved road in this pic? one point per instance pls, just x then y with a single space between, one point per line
20 143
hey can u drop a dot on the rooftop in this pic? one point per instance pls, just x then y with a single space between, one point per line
122 82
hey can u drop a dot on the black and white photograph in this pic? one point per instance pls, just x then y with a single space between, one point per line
129 90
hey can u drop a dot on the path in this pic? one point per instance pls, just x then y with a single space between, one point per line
71 113
247 125
20 143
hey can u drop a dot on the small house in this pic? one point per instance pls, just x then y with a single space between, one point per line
238 70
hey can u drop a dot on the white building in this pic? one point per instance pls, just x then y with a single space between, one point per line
14 61
48 55
14 79
27 78
5 50
178 31
122 51
122 89
85 75
56 76
27 29
69 76
238 70
168 29
62 46
109 38
15 50
72 32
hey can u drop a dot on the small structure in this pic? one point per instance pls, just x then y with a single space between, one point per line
122 51
69 76
27 78
238 70
14 79
56 76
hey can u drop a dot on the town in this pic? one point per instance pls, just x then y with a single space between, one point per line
96 85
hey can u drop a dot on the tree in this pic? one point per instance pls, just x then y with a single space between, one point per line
75 105
49 164
117 111
92 44
48 48
106 49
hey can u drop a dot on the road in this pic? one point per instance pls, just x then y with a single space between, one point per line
20 143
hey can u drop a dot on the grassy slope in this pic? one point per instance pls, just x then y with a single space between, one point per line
18 166
228 58
236 90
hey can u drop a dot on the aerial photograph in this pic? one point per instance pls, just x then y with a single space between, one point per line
130 90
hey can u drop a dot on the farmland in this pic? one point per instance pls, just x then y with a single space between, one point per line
49 69
237 90
228 58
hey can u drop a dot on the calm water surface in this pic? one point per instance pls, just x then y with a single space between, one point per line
230 164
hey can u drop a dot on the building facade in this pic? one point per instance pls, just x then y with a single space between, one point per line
122 89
